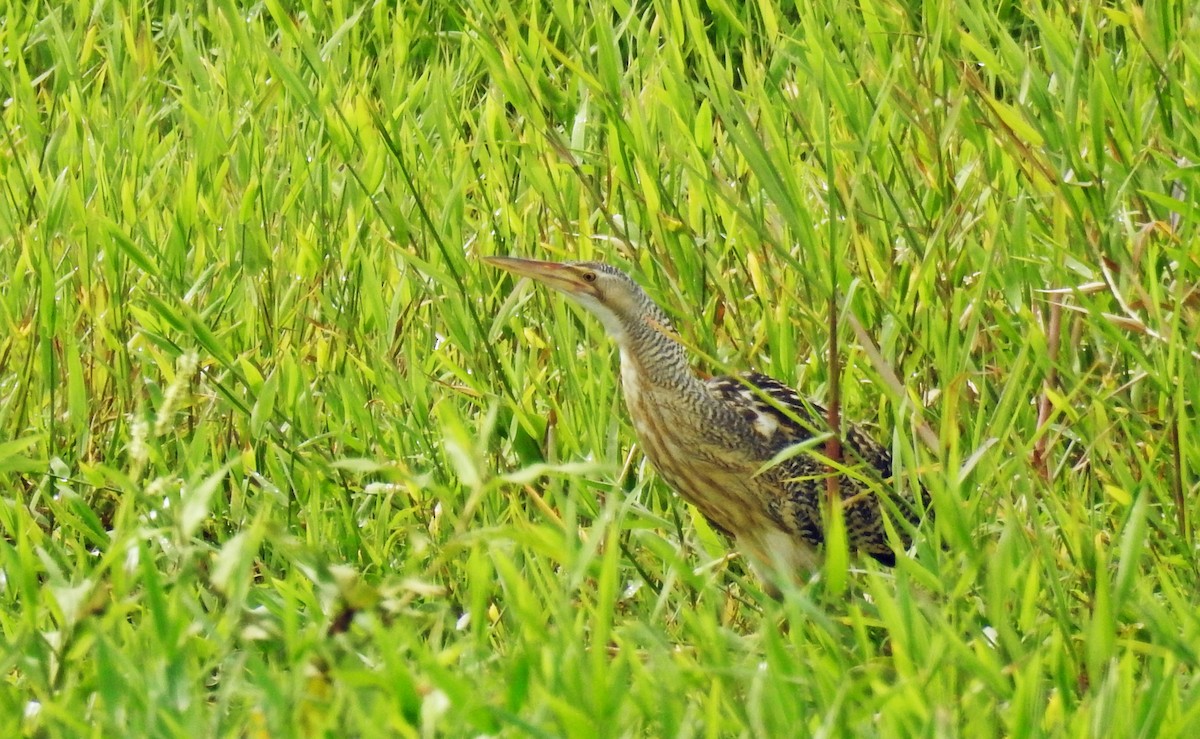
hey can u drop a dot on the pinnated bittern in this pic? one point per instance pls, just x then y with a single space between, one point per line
713 440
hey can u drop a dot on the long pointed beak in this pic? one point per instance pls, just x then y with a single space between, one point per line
552 274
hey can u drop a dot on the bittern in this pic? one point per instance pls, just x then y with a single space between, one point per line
719 442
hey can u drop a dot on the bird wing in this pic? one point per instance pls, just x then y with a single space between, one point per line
777 412
783 419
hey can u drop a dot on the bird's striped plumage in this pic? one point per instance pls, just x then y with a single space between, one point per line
714 440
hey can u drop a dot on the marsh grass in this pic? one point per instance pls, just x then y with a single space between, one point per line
281 456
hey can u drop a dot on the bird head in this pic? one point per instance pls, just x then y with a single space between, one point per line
604 290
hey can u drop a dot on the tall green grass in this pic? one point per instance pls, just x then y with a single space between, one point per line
280 456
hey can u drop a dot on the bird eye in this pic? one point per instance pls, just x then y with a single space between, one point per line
589 276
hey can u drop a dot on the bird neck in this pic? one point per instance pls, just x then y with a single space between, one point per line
650 352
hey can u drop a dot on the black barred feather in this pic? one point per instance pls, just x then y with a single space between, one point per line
785 419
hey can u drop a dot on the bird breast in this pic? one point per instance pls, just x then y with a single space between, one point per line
693 454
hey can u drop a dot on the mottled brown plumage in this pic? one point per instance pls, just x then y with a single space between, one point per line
713 440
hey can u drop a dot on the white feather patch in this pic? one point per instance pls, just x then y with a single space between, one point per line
766 425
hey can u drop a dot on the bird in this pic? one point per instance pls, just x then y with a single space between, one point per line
739 447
